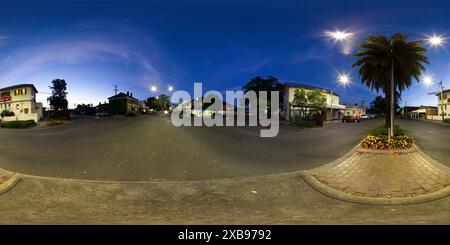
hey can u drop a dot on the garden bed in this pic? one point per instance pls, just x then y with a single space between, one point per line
3 179
378 139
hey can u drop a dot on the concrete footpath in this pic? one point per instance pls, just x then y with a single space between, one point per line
271 199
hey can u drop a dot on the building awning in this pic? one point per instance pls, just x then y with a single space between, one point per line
336 106
420 111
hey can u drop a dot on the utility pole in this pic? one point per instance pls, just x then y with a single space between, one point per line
391 130
115 89
442 101
331 106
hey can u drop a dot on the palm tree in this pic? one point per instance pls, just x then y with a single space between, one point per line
378 55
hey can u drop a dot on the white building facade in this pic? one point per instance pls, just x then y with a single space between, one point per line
21 101
443 105
333 109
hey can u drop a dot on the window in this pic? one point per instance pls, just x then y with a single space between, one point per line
26 110
22 91
5 94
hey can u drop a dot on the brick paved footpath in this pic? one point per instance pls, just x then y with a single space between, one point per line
385 175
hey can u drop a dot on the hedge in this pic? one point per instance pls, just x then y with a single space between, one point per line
18 124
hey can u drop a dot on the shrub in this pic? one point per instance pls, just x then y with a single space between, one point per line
381 142
305 123
317 118
54 123
7 114
382 130
132 114
18 124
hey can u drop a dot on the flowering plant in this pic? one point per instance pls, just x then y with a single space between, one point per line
382 142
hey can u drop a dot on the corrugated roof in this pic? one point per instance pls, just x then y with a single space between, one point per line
19 86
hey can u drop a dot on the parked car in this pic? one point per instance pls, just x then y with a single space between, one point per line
371 116
365 117
351 119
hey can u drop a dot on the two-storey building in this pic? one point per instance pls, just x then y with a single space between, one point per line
444 103
333 109
123 104
21 101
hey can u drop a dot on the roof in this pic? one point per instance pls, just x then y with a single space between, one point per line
428 107
444 91
308 86
121 95
20 86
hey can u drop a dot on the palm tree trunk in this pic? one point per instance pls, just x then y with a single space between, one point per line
387 100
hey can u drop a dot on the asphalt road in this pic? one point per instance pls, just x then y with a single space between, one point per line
150 148
432 138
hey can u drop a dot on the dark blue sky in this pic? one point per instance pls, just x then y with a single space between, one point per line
137 44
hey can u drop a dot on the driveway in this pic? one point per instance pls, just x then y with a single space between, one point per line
150 148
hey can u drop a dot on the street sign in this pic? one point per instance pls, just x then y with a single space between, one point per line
5 99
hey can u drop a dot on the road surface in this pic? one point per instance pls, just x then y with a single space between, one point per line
150 148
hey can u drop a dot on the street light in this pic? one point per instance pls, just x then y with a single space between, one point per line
153 88
433 41
427 80
339 35
342 79
170 88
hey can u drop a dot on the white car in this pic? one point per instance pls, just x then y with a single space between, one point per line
364 117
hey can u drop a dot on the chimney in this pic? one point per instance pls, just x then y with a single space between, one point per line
131 94
128 93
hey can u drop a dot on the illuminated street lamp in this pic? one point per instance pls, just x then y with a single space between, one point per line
343 79
435 40
170 88
427 80
153 88
339 35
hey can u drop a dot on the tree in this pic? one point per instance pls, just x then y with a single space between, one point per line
158 103
57 100
164 102
316 99
268 84
378 105
301 100
153 103
378 54
311 101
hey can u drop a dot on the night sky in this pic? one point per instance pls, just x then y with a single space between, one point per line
139 44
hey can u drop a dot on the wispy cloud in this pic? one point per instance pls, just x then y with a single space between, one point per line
91 42
315 52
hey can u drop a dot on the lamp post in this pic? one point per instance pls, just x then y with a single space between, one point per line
442 101
433 41
343 79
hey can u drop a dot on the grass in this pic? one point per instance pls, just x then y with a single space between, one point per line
18 124
382 130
